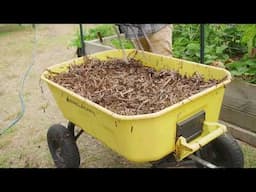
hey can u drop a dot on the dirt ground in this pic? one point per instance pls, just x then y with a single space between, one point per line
25 144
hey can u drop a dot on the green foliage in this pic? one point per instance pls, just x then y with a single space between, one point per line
232 36
76 41
125 42
249 34
104 29
186 43
221 42
244 69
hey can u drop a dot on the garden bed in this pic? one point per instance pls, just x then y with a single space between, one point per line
94 46
104 44
239 105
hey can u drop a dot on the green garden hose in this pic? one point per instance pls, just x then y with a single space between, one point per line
21 95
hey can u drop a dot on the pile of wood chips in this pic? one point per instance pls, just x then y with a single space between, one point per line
129 89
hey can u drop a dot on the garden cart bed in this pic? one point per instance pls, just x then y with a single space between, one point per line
181 129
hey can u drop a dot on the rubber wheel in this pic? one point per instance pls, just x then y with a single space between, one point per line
62 146
224 152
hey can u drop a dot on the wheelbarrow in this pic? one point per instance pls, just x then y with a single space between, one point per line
186 131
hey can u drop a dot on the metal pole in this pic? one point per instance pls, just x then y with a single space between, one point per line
203 162
202 42
82 39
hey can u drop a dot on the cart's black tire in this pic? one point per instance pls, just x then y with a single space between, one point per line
62 146
224 152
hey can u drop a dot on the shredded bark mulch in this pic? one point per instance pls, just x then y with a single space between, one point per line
129 89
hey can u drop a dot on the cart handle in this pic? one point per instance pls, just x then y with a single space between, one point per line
211 130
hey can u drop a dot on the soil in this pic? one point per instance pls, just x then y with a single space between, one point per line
130 89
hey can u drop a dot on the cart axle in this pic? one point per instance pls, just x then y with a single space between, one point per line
203 162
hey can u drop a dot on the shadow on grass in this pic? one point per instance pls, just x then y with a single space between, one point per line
8 28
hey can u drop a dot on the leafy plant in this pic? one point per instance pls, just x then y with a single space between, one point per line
244 69
232 36
105 30
186 44
221 42
76 41
249 34
125 42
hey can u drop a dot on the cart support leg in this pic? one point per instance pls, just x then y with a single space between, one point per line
78 134
71 128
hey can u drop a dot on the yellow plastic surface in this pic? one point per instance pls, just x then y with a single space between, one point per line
149 137
210 131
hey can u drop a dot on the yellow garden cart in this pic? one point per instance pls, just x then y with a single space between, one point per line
188 130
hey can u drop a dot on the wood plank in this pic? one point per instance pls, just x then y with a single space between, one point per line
238 118
248 88
92 47
241 96
241 134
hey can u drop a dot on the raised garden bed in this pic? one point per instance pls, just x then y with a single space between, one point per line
104 44
94 46
239 107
